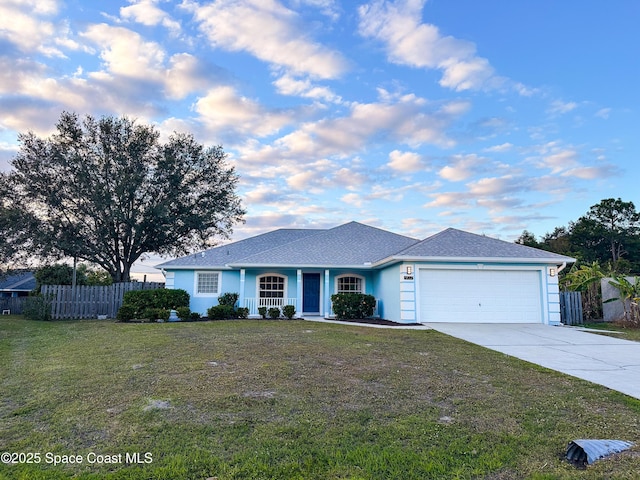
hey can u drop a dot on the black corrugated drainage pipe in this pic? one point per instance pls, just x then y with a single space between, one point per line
584 452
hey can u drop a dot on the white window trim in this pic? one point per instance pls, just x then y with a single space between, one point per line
362 279
286 284
207 295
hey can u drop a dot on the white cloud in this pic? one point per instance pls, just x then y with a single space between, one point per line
289 85
147 13
269 31
592 172
560 160
500 204
406 162
457 200
558 107
495 186
125 53
223 109
352 199
466 74
407 121
409 42
130 61
29 25
504 147
326 7
604 113
461 167
185 74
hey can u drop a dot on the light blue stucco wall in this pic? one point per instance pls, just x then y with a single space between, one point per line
388 293
553 296
395 291
235 281
185 279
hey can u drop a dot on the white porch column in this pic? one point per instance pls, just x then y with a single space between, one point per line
241 292
327 296
299 292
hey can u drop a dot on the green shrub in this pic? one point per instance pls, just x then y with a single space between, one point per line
349 306
229 299
183 313
162 298
221 312
163 314
242 312
149 313
289 311
37 307
262 311
274 312
194 316
126 313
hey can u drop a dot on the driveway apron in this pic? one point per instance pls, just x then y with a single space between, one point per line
612 362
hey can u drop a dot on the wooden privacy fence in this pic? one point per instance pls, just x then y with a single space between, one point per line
571 308
90 302
12 305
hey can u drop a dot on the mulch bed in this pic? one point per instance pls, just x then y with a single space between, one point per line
369 321
378 321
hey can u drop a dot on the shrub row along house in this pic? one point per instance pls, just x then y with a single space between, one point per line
453 276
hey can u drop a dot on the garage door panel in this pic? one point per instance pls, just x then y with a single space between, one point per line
484 296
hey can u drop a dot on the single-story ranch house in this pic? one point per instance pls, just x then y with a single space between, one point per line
452 276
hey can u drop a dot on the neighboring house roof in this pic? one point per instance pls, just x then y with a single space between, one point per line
452 244
18 282
355 245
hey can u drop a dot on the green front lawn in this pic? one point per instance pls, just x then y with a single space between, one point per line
614 330
291 399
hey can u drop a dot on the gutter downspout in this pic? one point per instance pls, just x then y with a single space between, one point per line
562 267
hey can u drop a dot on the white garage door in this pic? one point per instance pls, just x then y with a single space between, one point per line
483 296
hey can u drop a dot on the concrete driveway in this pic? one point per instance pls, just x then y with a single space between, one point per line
608 361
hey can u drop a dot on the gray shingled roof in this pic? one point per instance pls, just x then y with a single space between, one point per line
352 244
454 243
236 251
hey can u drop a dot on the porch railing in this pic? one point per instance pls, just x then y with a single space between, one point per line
254 303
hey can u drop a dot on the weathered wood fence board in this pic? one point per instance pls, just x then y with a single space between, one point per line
571 308
88 301
13 304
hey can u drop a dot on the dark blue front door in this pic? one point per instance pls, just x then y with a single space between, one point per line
311 292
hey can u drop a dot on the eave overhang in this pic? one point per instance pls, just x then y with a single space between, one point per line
502 260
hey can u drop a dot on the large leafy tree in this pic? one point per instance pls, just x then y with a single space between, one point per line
607 230
108 191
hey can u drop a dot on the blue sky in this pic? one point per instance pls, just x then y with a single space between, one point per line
413 116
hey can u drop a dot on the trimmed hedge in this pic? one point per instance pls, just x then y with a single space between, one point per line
229 299
350 306
288 311
221 312
140 303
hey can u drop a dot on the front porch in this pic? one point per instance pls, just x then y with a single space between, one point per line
253 304
308 290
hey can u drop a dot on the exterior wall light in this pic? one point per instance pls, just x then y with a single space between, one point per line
409 270
552 272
